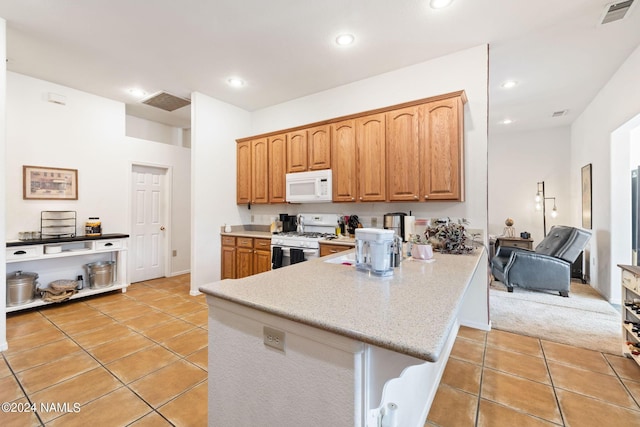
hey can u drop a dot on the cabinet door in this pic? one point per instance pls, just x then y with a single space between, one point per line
297 151
259 171
277 168
370 143
243 172
319 147
441 134
343 161
244 262
261 261
228 262
403 155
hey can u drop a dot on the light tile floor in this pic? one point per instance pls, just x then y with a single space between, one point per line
140 358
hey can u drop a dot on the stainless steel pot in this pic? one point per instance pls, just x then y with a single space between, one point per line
21 287
101 274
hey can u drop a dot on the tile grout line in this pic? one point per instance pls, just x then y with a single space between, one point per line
21 388
86 351
553 386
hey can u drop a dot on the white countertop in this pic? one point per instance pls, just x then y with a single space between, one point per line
411 312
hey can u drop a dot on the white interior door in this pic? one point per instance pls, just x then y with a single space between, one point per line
148 230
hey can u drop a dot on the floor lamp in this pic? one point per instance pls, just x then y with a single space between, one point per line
541 205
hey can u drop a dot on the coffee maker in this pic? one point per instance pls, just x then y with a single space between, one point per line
395 222
289 222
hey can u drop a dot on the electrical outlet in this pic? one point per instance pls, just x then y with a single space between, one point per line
175 252
253 219
374 222
273 338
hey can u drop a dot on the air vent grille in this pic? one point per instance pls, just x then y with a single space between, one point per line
616 11
559 113
166 101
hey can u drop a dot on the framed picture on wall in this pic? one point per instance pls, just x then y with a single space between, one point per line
586 196
45 183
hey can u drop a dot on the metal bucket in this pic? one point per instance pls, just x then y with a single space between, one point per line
101 274
21 287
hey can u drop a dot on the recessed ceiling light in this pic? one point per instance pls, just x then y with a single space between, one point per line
138 93
506 122
439 4
345 39
235 82
508 84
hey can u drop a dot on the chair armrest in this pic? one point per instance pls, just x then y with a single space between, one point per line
506 251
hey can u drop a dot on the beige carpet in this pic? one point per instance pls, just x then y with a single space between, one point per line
584 319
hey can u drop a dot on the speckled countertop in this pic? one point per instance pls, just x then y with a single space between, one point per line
411 312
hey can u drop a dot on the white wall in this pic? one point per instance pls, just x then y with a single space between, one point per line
215 127
518 161
137 127
463 70
3 93
88 134
591 142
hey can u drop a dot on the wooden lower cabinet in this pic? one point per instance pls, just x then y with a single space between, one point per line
244 256
261 255
328 249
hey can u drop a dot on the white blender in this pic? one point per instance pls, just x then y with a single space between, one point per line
374 250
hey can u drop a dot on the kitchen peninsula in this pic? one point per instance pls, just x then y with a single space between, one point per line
320 343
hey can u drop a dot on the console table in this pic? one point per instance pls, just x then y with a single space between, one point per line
514 242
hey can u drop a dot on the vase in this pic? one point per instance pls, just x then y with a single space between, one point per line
422 251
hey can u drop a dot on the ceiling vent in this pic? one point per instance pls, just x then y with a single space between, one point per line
166 101
559 113
616 11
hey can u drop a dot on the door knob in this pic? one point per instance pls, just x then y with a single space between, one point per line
162 228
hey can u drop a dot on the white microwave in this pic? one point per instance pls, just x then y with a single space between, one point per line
309 187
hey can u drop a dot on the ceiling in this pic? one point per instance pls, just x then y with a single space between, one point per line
285 49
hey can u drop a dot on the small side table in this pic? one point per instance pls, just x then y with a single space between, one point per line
514 242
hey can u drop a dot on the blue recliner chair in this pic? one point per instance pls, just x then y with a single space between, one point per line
548 267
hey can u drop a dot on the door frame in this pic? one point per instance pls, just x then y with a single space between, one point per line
168 196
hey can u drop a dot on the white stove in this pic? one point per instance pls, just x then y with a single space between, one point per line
301 240
304 244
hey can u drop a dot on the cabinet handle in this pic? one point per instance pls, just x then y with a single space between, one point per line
353 198
360 197
108 244
333 251
416 197
426 196
19 253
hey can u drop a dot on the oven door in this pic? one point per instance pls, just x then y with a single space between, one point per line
285 260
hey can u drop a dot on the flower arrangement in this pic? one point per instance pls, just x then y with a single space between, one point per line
448 236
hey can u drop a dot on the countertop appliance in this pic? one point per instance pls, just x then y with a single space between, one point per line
309 187
290 247
395 222
374 250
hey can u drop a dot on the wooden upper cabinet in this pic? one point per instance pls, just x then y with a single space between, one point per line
442 145
277 168
403 154
370 143
243 172
408 152
343 161
319 147
297 151
259 171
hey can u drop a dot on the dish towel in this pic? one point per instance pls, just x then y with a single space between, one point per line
276 257
297 255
